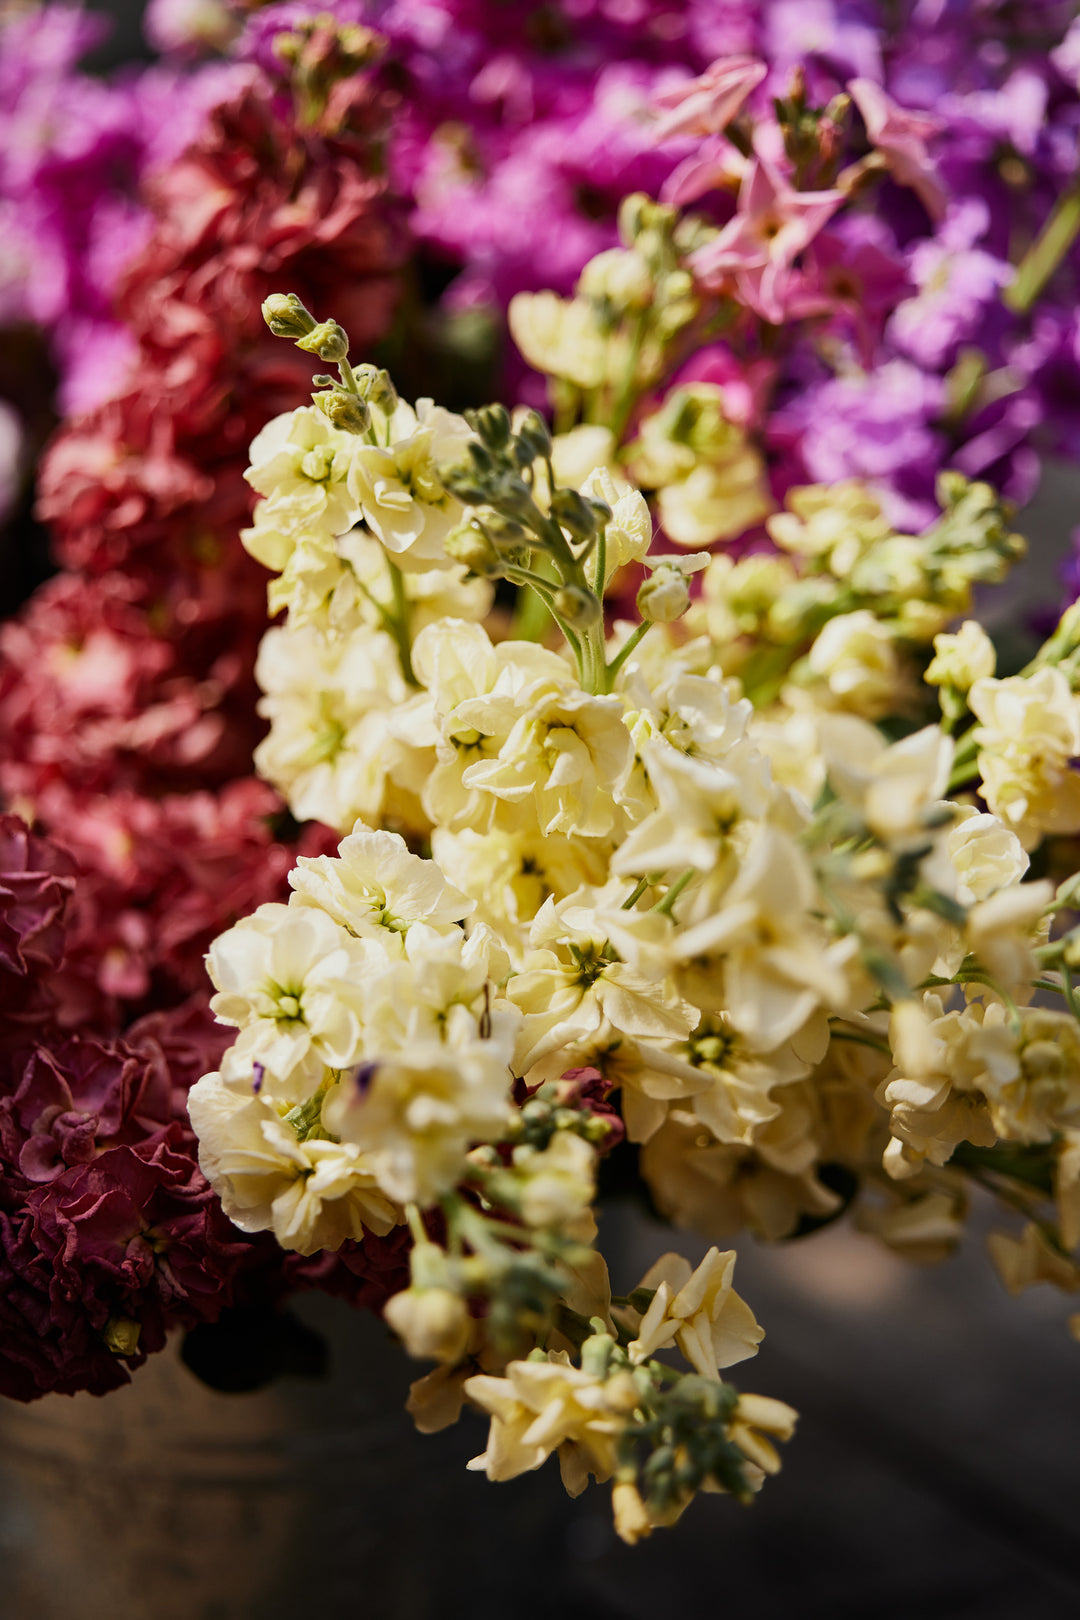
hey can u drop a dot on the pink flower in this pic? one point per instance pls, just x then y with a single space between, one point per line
706 105
36 880
773 225
901 136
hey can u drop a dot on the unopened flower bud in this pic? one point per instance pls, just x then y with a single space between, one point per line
344 410
534 437
492 424
286 316
631 1515
433 1323
579 608
574 513
375 386
328 340
633 216
468 544
664 596
121 1335
460 478
620 276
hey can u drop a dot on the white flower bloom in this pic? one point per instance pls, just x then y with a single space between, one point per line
333 750
700 804
962 659
544 1406
699 1311
416 1110
289 980
777 967
312 1194
397 487
984 853
856 657
1028 736
376 888
628 534
510 874
476 693
573 981
300 464
559 336
893 787
565 760
557 1182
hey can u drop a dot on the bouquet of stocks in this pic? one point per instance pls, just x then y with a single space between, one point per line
658 855
712 877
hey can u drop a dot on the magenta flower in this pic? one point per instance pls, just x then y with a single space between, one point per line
772 226
706 105
901 136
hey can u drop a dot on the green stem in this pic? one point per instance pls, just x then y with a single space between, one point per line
1045 253
348 376
635 895
398 623
632 641
664 906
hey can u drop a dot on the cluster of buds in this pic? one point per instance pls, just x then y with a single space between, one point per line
549 537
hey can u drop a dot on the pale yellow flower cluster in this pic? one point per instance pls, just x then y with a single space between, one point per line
711 858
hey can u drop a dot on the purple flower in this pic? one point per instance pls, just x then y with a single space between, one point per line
876 426
958 283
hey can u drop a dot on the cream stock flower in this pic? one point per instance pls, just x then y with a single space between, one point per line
374 886
476 692
397 487
288 979
962 659
700 803
1029 1259
300 464
711 1188
715 502
312 1194
628 534
1028 736
509 875
573 981
832 523
416 1110
985 855
564 761
557 1182
549 1405
856 658
559 336
333 750
761 957
700 1312
895 788
945 1061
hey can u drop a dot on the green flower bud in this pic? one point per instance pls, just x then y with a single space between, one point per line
344 410
574 513
579 608
468 544
492 424
328 340
286 316
374 385
534 438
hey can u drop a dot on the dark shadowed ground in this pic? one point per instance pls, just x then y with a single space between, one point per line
935 1474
